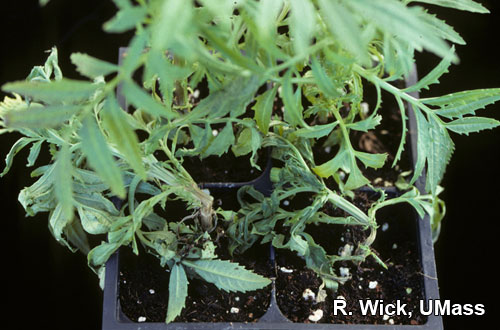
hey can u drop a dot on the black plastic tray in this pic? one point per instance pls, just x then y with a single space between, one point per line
115 319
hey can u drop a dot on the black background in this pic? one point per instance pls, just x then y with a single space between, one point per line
45 285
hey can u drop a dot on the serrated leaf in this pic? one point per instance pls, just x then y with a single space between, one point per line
227 276
456 105
64 90
92 67
121 134
142 100
177 292
126 19
367 124
344 25
471 124
395 19
95 148
467 5
221 143
433 76
264 108
63 182
442 29
40 117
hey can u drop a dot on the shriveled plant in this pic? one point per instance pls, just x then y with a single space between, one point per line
284 74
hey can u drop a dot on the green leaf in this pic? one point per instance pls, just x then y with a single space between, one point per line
433 76
221 143
34 152
233 98
95 148
126 19
101 253
94 221
395 19
227 275
173 21
302 24
177 292
40 117
264 108
371 160
467 5
64 90
442 29
145 102
121 134
456 105
345 27
292 102
92 67
323 80
16 147
249 140
315 131
63 182
471 124
57 222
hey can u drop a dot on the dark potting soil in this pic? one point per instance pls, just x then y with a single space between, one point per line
226 168
143 285
396 246
143 292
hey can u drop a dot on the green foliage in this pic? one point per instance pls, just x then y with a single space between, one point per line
237 77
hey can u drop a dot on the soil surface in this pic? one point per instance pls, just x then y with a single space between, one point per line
226 168
143 285
396 246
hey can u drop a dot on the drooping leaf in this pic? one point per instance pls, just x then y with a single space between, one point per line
63 182
92 67
177 292
96 149
64 90
16 147
40 117
227 276
121 134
